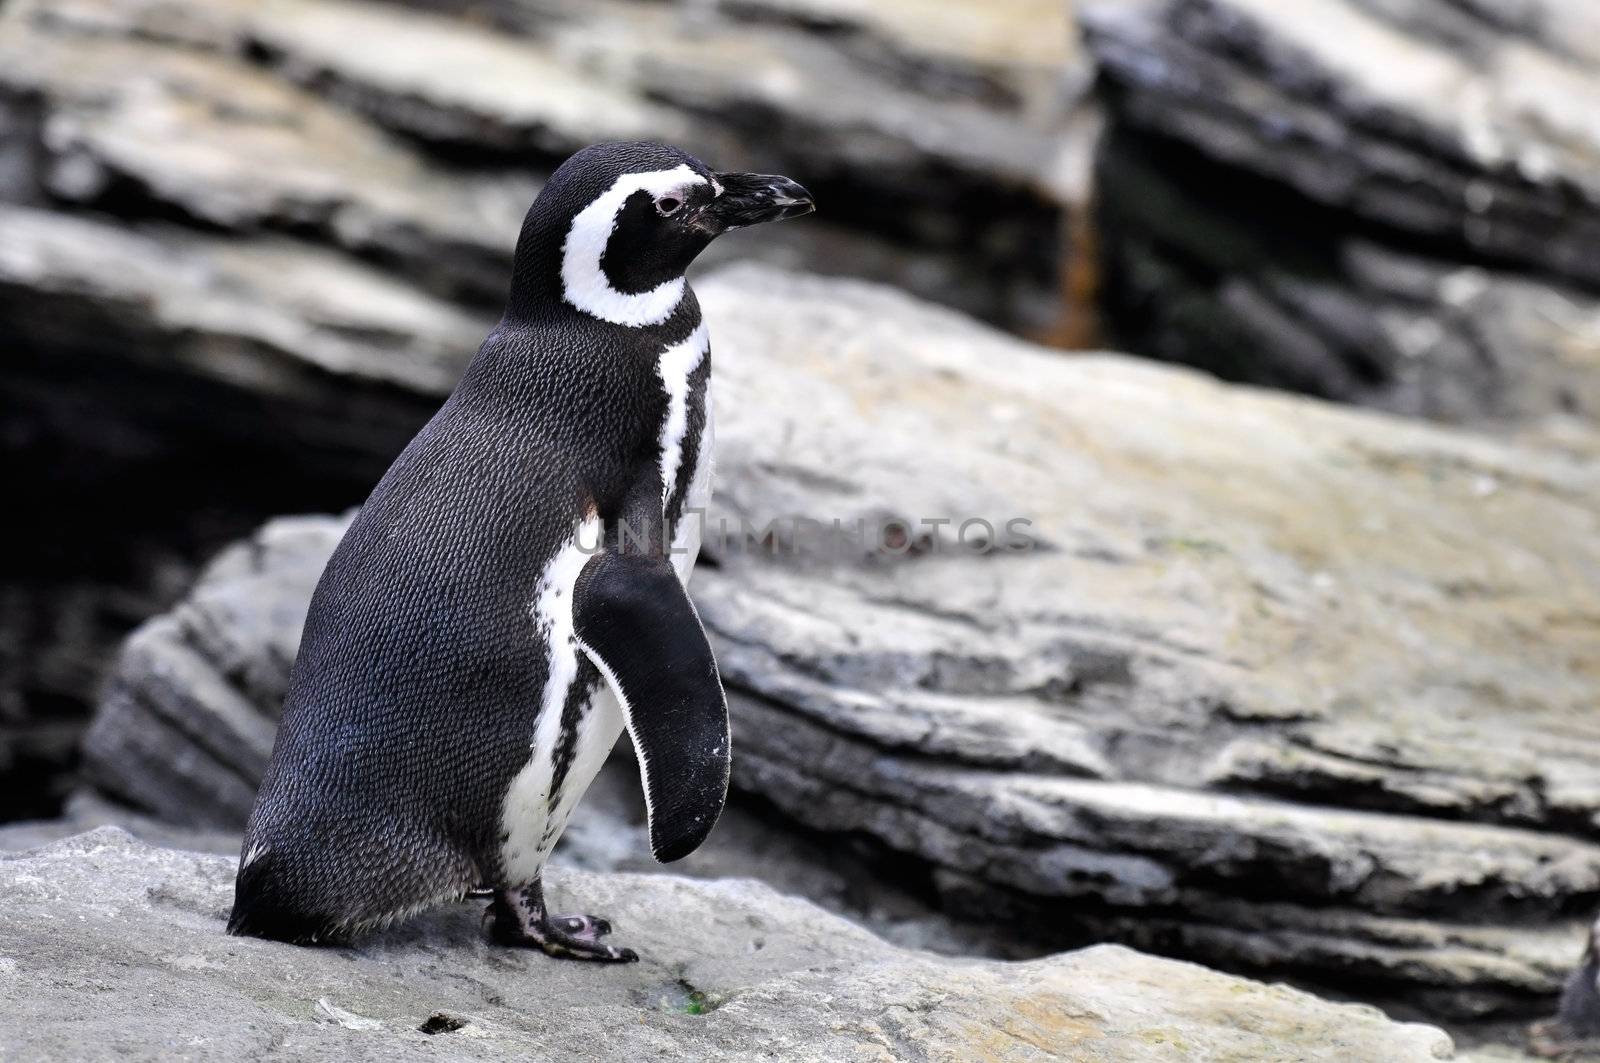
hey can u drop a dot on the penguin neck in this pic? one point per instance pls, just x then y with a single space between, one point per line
537 299
560 273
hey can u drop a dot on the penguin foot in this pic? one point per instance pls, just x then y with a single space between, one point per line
518 918
582 927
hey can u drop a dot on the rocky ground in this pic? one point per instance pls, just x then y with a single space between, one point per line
729 970
1319 708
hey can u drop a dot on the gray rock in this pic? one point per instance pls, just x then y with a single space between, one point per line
164 392
87 811
1017 39
1206 281
322 139
1482 143
113 949
186 722
289 351
269 317
1281 206
224 143
1235 686
608 833
1242 702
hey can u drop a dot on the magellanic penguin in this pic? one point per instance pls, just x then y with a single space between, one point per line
507 601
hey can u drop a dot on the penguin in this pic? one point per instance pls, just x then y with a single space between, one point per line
511 597
1575 1027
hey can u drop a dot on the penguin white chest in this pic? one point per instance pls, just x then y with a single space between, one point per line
685 456
538 802
578 723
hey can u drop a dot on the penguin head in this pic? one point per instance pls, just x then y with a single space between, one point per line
616 227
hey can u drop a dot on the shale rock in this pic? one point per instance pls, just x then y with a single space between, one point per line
114 949
1324 703
1485 141
138 126
87 811
300 353
1321 707
419 148
1390 203
212 675
165 391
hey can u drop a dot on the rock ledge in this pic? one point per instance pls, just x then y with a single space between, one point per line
114 947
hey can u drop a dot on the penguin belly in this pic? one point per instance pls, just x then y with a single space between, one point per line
576 726
534 818
560 768
689 534
685 373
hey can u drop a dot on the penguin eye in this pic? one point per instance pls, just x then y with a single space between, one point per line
667 206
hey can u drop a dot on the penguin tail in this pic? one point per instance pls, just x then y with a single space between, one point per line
267 904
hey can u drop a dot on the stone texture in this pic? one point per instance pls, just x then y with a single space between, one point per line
1393 203
128 939
310 345
190 738
164 392
1485 140
87 811
228 145
321 138
1342 316
1022 45
1279 685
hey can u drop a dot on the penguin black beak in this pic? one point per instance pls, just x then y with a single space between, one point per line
753 198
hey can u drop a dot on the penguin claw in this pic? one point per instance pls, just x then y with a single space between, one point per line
518 919
556 942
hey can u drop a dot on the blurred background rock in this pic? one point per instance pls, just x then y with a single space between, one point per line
1291 689
1393 202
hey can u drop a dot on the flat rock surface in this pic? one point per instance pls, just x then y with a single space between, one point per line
113 949
254 314
1325 702
1321 707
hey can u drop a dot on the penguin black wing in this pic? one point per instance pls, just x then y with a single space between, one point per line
634 620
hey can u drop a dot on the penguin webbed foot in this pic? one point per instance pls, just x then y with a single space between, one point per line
517 918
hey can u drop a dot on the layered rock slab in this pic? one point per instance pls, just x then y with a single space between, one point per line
165 390
422 150
1390 203
1271 668
116 948
1274 684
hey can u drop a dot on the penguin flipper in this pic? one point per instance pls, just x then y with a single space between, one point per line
634 620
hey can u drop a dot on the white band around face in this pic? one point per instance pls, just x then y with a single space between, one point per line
585 285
